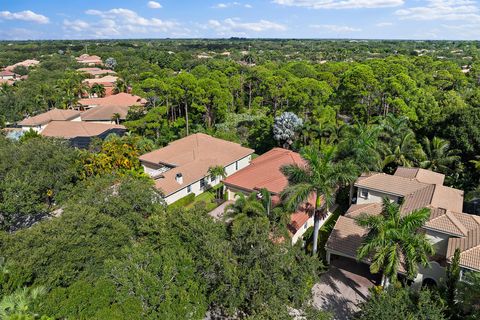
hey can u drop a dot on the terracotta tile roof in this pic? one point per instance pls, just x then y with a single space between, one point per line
106 107
7 73
26 63
96 71
192 156
52 115
105 81
346 237
469 249
264 171
356 210
88 59
395 185
9 82
73 129
421 175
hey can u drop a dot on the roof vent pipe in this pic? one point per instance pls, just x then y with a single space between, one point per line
179 178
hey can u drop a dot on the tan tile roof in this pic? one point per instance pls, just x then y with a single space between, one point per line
346 237
356 210
448 198
106 107
418 199
395 185
96 71
453 223
26 63
422 175
52 115
469 249
107 81
192 156
264 171
73 129
85 58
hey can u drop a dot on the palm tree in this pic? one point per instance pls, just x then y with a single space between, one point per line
116 118
393 239
438 155
403 151
98 90
319 178
476 163
217 172
120 86
19 303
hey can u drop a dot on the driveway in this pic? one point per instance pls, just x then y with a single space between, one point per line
343 287
217 213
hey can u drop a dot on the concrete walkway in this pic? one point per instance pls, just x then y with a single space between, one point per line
217 213
342 288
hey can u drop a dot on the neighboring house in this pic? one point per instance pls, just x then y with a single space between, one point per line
89 60
181 168
108 82
26 63
97 72
80 133
447 228
104 109
8 75
40 121
264 173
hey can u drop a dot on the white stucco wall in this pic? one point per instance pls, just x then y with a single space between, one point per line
34 128
195 186
435 272
373 196
439 241
301 231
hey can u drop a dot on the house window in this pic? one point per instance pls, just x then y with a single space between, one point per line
212 178
305 226
189 189
236 165
202 183
364 194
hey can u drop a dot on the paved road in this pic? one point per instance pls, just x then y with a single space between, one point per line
342 288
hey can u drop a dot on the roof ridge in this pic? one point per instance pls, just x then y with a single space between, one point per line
457 223
477 243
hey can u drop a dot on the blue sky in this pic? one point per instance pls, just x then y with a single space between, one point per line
373 19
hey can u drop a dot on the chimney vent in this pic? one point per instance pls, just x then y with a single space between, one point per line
179 178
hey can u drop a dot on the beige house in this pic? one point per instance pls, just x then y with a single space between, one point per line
181 168
413 188
89 60
40 121
104 109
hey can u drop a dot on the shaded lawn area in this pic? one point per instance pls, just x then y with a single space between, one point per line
208 198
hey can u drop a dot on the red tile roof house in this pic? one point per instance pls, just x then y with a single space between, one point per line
107 81
8 75
104 109
89 60
181 168
81 133
26 63
448 227
96 72
40 121
264 173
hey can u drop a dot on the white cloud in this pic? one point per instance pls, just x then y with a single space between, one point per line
450 10
340 4
334 28
119 22
233 26
226 5
154 5
384 24
24 16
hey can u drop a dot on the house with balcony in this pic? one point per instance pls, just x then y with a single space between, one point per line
264 172
448 227
181 168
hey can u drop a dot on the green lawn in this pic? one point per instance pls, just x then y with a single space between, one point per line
208 197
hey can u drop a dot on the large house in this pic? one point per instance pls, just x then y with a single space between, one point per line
264 173
96 72
8 75
107 81
89 60
181 168
448 227
26 63
105 109
81 133
40 121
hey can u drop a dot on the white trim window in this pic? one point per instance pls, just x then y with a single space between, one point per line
364 194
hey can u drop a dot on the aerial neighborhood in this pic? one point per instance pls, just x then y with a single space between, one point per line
238 178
